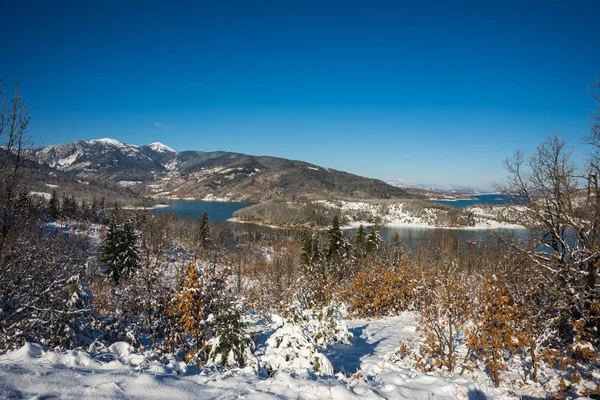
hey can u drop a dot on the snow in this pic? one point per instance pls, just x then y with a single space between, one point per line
45 195
68 161
34 372
128 183
313 168
172 165
212 197
145 208
111 142
398 215
51 185
161 148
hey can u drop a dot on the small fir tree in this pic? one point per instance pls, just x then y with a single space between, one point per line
233 340
204 232
54 206
360 241
336 239
373 240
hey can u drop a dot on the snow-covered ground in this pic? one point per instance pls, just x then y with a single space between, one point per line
400 214
361 371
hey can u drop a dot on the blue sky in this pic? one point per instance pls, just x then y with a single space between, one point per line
428 91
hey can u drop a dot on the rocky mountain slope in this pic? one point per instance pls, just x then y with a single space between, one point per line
156 170
42 180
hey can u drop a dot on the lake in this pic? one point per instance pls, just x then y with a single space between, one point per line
217 210
221 211
493 199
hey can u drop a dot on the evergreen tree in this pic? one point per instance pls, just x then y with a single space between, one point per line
119 251
232 337
336 239
23 203
307 242
131 255
204 232
102 211
85 211
396 248
373 240
54 206
360 241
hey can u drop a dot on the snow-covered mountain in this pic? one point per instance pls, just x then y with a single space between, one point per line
102 159
156 170
444 188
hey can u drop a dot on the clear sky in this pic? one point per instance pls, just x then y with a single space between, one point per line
428 91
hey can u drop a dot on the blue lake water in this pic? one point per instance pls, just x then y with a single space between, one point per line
217 210
221 211
493 199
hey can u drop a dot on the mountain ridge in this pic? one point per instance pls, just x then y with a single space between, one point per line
158 171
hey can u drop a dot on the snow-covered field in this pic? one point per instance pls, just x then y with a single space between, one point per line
361 371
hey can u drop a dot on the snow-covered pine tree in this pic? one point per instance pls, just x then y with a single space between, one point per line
131 255
373 240
232 341
336 239
204 232
360 242
71 318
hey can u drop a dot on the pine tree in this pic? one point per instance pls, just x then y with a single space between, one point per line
23 203
204 232
360 241
373 240
396 248
310 249
131 255
233 339
71 322
119 251
54 206
336 239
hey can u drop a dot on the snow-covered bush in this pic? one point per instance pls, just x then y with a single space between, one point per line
325 327
291 349
231 346
296 342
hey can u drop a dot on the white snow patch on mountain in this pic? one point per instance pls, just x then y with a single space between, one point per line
161 148
112 142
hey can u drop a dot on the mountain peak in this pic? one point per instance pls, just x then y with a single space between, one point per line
160 148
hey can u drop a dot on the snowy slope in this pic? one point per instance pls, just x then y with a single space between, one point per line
31 372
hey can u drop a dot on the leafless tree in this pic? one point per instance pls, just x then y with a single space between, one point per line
559 201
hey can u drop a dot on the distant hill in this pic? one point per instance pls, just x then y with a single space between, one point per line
158 171
440 188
